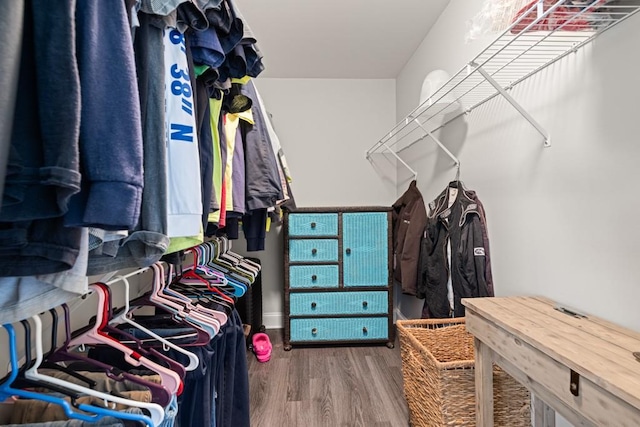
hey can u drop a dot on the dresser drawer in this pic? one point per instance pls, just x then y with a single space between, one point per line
328 303
314 276
313 250
364 328
325 224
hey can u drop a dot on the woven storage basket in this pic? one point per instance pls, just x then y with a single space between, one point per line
439 377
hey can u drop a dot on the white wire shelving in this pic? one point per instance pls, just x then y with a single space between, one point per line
545 33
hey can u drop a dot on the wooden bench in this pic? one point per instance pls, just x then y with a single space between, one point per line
585 368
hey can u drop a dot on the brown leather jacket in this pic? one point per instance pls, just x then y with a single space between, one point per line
409 220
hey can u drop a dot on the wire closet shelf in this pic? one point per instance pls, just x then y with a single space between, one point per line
541 35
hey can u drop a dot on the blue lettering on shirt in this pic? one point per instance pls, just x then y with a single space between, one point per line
181 132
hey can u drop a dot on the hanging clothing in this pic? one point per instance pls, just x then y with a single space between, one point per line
110 127
11 16
184 186
264 187
409 219
43 169
147 243
22 297
456 218
238 110
282 166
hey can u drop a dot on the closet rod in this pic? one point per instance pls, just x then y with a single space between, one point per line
126 276
394 154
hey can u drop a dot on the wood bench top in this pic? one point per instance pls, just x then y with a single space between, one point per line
594 348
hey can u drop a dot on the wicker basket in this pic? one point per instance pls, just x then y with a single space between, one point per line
439 377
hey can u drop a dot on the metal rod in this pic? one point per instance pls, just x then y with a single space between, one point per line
126 276
394 154
514 103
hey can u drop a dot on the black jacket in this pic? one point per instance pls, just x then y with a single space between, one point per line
464 225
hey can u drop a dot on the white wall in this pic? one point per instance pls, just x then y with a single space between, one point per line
562 220
325 127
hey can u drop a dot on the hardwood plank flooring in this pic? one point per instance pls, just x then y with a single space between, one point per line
327 386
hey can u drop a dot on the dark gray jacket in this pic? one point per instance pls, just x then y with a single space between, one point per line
464 225
263 188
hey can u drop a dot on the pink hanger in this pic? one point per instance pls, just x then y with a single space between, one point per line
183 306
170 380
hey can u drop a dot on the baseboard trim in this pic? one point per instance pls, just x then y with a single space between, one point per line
273 320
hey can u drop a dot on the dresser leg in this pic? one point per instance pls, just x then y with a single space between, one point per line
286 347
390 345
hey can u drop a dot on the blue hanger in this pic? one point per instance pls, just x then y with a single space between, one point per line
7 391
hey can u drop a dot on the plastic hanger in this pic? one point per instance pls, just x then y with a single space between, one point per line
21 382
194 361
201 335
177 290
199 280
191 280
170 380
203 332
241 260
183 303
156 411
220 281
51 365
223 260
211 325
6 390
159 394
167 289
149 353
200 273
205 297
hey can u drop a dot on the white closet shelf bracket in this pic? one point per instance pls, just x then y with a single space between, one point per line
514 103
398 158
439 143
521 51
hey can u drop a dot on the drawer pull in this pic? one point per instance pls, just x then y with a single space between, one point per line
313 305
314 251
314 331
365 330
365 304
313 225
348 251
314 278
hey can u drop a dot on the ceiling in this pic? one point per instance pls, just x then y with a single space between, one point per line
338 38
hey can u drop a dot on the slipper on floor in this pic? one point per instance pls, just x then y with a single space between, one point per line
262 347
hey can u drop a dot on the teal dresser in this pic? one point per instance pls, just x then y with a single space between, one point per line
338 276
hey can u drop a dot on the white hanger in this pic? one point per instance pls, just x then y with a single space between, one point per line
156 411
169 379
122 318
174 303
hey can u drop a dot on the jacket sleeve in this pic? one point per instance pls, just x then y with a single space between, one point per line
110 126
473 251
421 289
485 236
410 256
263 186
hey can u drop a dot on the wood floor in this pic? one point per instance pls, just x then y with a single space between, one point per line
330 386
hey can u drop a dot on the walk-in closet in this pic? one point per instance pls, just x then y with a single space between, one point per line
247 213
